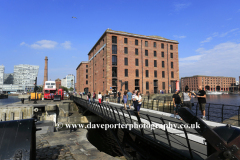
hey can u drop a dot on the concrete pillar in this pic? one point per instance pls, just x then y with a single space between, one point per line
45 70
3 116
12 116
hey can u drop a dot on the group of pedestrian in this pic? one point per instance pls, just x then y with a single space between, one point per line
187 101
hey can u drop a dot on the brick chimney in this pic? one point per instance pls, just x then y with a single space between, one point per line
45 71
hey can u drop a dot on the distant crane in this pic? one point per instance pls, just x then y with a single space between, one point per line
74 17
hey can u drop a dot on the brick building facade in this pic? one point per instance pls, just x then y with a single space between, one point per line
82 77
121 60
211 83
58 83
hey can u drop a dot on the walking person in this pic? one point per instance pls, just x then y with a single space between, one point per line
89 97
124 97
119 95
100 97
187 98
138 102
202 101
107 96
129 100
176 103
94 96
133 99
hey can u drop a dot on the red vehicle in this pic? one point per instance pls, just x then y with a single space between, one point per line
50 89
61 92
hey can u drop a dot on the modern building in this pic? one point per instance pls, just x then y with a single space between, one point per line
22 79
211 83
68 81
82 77
120 61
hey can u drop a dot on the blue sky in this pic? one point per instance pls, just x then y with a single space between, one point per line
208 32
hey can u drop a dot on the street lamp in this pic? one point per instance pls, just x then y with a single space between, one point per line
72 83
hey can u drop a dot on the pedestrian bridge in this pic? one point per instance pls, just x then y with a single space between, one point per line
171 138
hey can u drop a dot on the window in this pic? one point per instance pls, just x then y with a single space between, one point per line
86 82
136 42
155 74
171 54
126 72
146 43
162 45
147 85
114 49
163 85
86 66
137 73
114 60
172 74
114 71
114 82
171 64
136 62
103 73
155 53
125 61
163 64
147 73
162 54
114 39
155 83
103 62
154 44
86 76
163 74
146 62
125 40
136 51
136 82
155 63
86 70
146 52
126 85
171 47
125 50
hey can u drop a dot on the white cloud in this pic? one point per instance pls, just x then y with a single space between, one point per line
180 6
207 40
66 44
23 43
48 44
221 60
226 33
180 37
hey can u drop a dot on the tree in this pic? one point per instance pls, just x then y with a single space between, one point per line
64 88
71 89
40 89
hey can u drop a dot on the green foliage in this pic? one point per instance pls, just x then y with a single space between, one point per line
40 89
71 89
64 88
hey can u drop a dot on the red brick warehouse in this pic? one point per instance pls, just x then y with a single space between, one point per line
82 77
121 60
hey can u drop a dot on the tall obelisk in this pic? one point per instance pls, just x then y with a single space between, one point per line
45 71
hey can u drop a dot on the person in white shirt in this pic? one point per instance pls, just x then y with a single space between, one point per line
133 99
138 102
99 97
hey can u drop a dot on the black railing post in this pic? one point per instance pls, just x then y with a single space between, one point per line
130 116
143 102
222 112
139 122
124 116
113 113
152 104
166 132
151 125
170 107
118 115
209 110
189 147
101 108
158 106
238 115
163 108
196 108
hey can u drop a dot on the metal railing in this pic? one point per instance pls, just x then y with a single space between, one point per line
170 140
222 113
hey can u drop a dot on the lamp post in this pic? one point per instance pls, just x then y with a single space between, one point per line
35 89
72 83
